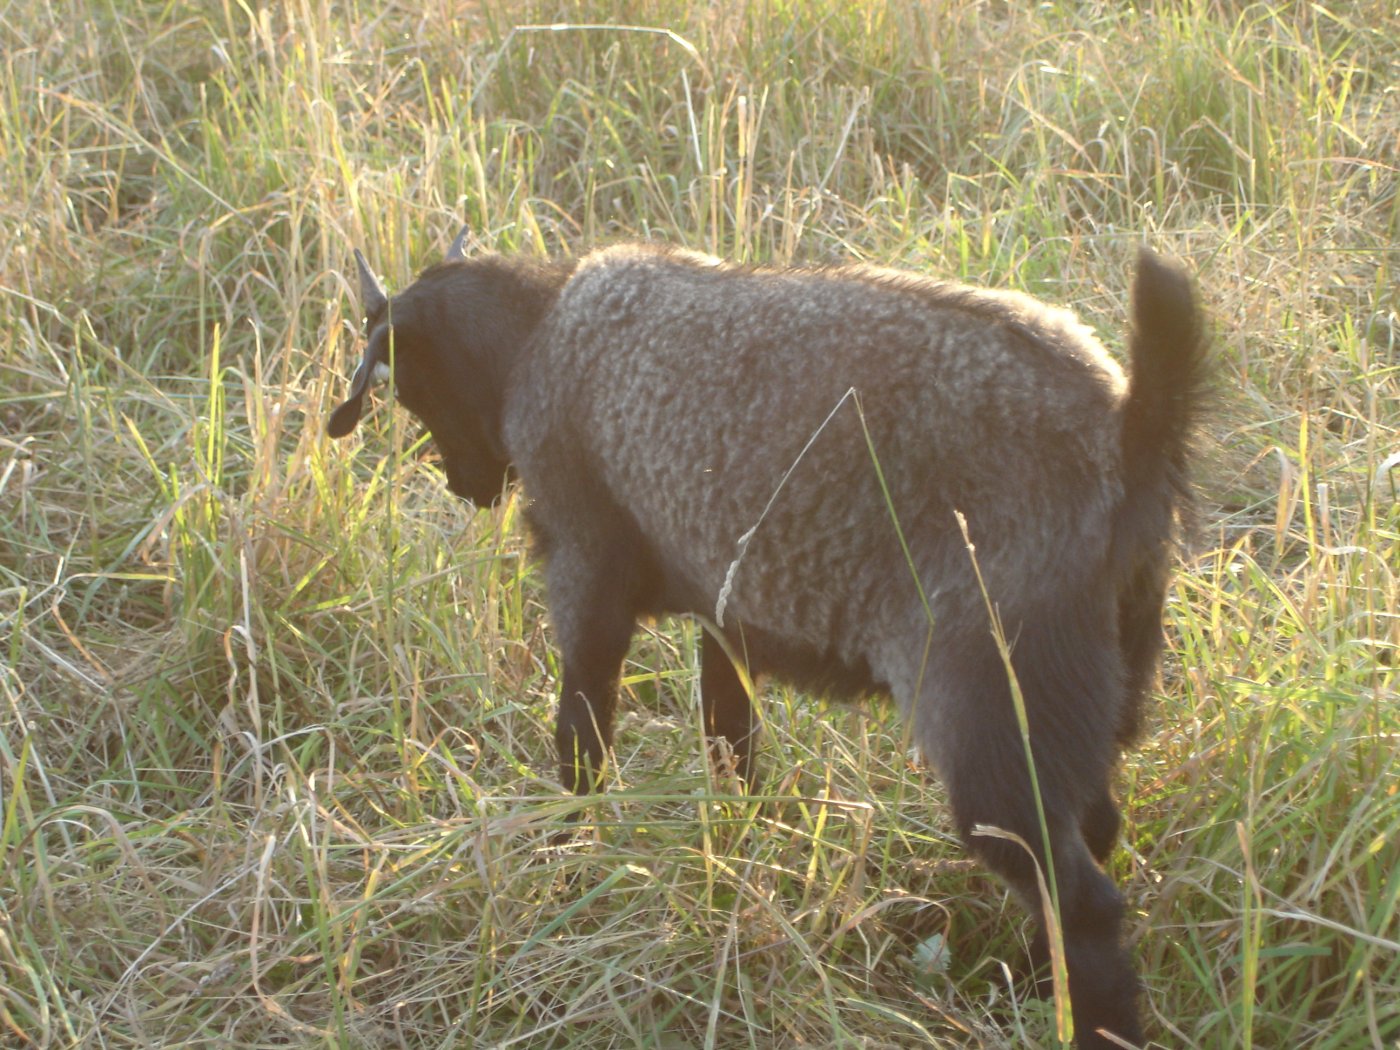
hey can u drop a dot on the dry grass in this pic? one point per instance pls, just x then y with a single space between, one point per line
276 763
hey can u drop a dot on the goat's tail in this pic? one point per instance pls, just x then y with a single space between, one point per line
1165 391
1165 396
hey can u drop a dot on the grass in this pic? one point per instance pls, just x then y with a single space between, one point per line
276 762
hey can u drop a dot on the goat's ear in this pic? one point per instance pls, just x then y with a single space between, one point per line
372 297
458 251
344 418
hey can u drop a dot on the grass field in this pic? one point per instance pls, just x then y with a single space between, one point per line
276 766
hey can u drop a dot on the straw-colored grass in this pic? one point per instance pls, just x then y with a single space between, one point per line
276 764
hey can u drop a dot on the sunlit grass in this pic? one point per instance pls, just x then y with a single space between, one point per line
277 763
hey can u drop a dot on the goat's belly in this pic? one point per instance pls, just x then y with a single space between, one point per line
822 672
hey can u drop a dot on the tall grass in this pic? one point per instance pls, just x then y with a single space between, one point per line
276 763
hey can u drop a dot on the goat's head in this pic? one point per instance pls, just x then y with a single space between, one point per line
445 340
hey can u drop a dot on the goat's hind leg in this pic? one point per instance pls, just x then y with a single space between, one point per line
1100 825
971 730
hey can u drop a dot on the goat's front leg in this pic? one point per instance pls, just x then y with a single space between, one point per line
593 621
727 708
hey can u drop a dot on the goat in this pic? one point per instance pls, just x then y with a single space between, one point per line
788 453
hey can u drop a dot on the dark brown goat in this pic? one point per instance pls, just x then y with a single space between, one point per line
696 437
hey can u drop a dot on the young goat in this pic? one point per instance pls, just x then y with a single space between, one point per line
786 452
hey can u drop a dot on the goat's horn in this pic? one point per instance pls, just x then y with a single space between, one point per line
372 297
459 246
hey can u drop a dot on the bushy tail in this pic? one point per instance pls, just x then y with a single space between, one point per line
1165 391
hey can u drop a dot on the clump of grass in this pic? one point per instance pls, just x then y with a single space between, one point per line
276 762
